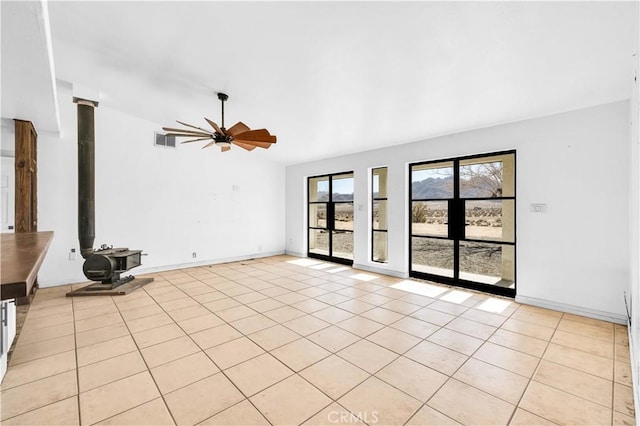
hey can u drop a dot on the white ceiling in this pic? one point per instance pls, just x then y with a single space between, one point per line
28 87
330 78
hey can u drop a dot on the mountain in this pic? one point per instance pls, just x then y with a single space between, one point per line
439 188
433 188
324 196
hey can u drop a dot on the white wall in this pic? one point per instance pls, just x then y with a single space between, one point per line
167 202
7 137
574 257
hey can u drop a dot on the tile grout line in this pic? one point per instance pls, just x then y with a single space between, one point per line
450 377
530 380
148 371
613 382
51 403
297 373
221 371
75 345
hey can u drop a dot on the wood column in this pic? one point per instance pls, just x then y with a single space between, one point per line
26 211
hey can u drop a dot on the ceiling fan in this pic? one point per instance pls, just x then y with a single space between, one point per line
239 134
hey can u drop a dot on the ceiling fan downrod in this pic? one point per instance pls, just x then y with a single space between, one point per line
223 97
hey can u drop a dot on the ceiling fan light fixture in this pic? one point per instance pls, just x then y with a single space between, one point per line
223 143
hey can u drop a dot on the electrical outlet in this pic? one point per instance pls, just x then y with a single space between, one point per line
538 208
73 255
194 255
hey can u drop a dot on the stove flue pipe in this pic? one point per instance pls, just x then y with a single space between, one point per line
86 175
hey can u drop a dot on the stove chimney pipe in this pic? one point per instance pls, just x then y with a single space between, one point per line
86 175
106 263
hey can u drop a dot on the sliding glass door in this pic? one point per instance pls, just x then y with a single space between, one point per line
463 222
331 217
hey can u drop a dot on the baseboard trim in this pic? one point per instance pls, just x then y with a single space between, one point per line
294 253
163 268
572 309
382 271
154 269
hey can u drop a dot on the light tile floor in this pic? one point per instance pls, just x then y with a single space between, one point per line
284 340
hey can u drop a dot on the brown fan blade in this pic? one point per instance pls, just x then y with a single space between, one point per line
215 126
264 145
238 128
244 145
260 135
193 127
209 144
195 140
186 132
225 148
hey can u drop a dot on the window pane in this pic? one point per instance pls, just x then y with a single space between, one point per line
432 256
487 177
379 246
318 215
343 187
432 181
319 189
319 241
379 182
487 263
379 219
430 218
343 244
343 216
489 220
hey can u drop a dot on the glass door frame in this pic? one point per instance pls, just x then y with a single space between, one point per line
330 219
456 227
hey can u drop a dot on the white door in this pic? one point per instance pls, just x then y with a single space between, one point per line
7 194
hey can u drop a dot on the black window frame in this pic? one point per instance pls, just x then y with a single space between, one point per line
329 220
457 226
373 230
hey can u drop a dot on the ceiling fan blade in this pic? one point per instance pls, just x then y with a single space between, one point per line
193 127
225 148
189 135
186 132
260 144
260 135
238 128
244 145
209 144
215 126
195 140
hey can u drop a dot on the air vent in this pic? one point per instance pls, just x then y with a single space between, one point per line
164 141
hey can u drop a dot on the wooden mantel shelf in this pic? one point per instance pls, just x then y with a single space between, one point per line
22 256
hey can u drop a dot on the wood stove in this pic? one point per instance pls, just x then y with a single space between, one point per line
105 264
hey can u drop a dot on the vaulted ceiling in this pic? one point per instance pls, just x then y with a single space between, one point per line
330 78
